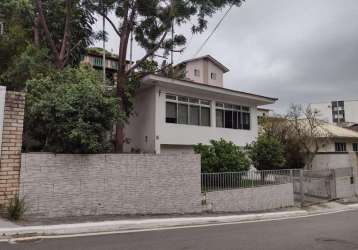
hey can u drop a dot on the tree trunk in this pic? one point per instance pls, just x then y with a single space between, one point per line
121 81
36 31
119 139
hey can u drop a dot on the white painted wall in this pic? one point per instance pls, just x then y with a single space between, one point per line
351 111
191 66
141 127
178 134
206 67
212 68
2 106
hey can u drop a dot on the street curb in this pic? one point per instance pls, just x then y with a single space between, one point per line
133 225
154 224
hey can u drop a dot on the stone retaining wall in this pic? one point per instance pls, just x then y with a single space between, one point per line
72 185
250 199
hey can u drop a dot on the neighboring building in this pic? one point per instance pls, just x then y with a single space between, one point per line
343 112
262 112
339 140
172 115
94 57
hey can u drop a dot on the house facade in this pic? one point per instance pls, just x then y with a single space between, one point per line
172 115
339 140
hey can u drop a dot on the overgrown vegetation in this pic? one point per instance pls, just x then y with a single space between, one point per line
69 111
267 153
301 132
16 208
221 156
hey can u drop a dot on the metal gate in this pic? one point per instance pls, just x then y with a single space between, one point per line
314 186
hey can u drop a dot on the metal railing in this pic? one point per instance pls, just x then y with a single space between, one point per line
245 179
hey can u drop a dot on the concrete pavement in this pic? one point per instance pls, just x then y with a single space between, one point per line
330 231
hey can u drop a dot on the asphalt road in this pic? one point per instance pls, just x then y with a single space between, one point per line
334 231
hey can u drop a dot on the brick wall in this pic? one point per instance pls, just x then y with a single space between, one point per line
11 146
250 199
72 185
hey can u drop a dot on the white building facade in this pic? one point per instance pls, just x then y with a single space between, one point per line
338 112
172 115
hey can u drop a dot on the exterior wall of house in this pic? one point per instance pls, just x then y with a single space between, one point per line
140 130
250 199
333 161
178 134
56 185
329 146
212 68
206 67
191 66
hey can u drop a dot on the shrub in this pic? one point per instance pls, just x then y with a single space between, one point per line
16 208
69 112
221 156
266 153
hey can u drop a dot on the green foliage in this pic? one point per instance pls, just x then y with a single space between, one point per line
221 156
267 153
27 65
21 59
69 112
16 208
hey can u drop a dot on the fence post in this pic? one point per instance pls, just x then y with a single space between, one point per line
302 192
291 175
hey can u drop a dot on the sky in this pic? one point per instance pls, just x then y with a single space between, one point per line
298 51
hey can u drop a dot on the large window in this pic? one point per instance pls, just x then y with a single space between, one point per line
340 147
232 116
187 110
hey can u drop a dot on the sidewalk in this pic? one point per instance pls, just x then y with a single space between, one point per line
10 230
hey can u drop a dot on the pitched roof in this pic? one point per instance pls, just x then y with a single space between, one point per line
339 132
211 59
167 81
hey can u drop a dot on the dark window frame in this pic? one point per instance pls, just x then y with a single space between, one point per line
340 146
191 102
238 111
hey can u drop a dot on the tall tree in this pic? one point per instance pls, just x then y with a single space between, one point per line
25 49
151 21
67 28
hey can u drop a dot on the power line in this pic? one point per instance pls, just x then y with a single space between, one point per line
212 32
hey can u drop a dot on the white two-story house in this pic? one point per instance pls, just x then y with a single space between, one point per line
172 115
